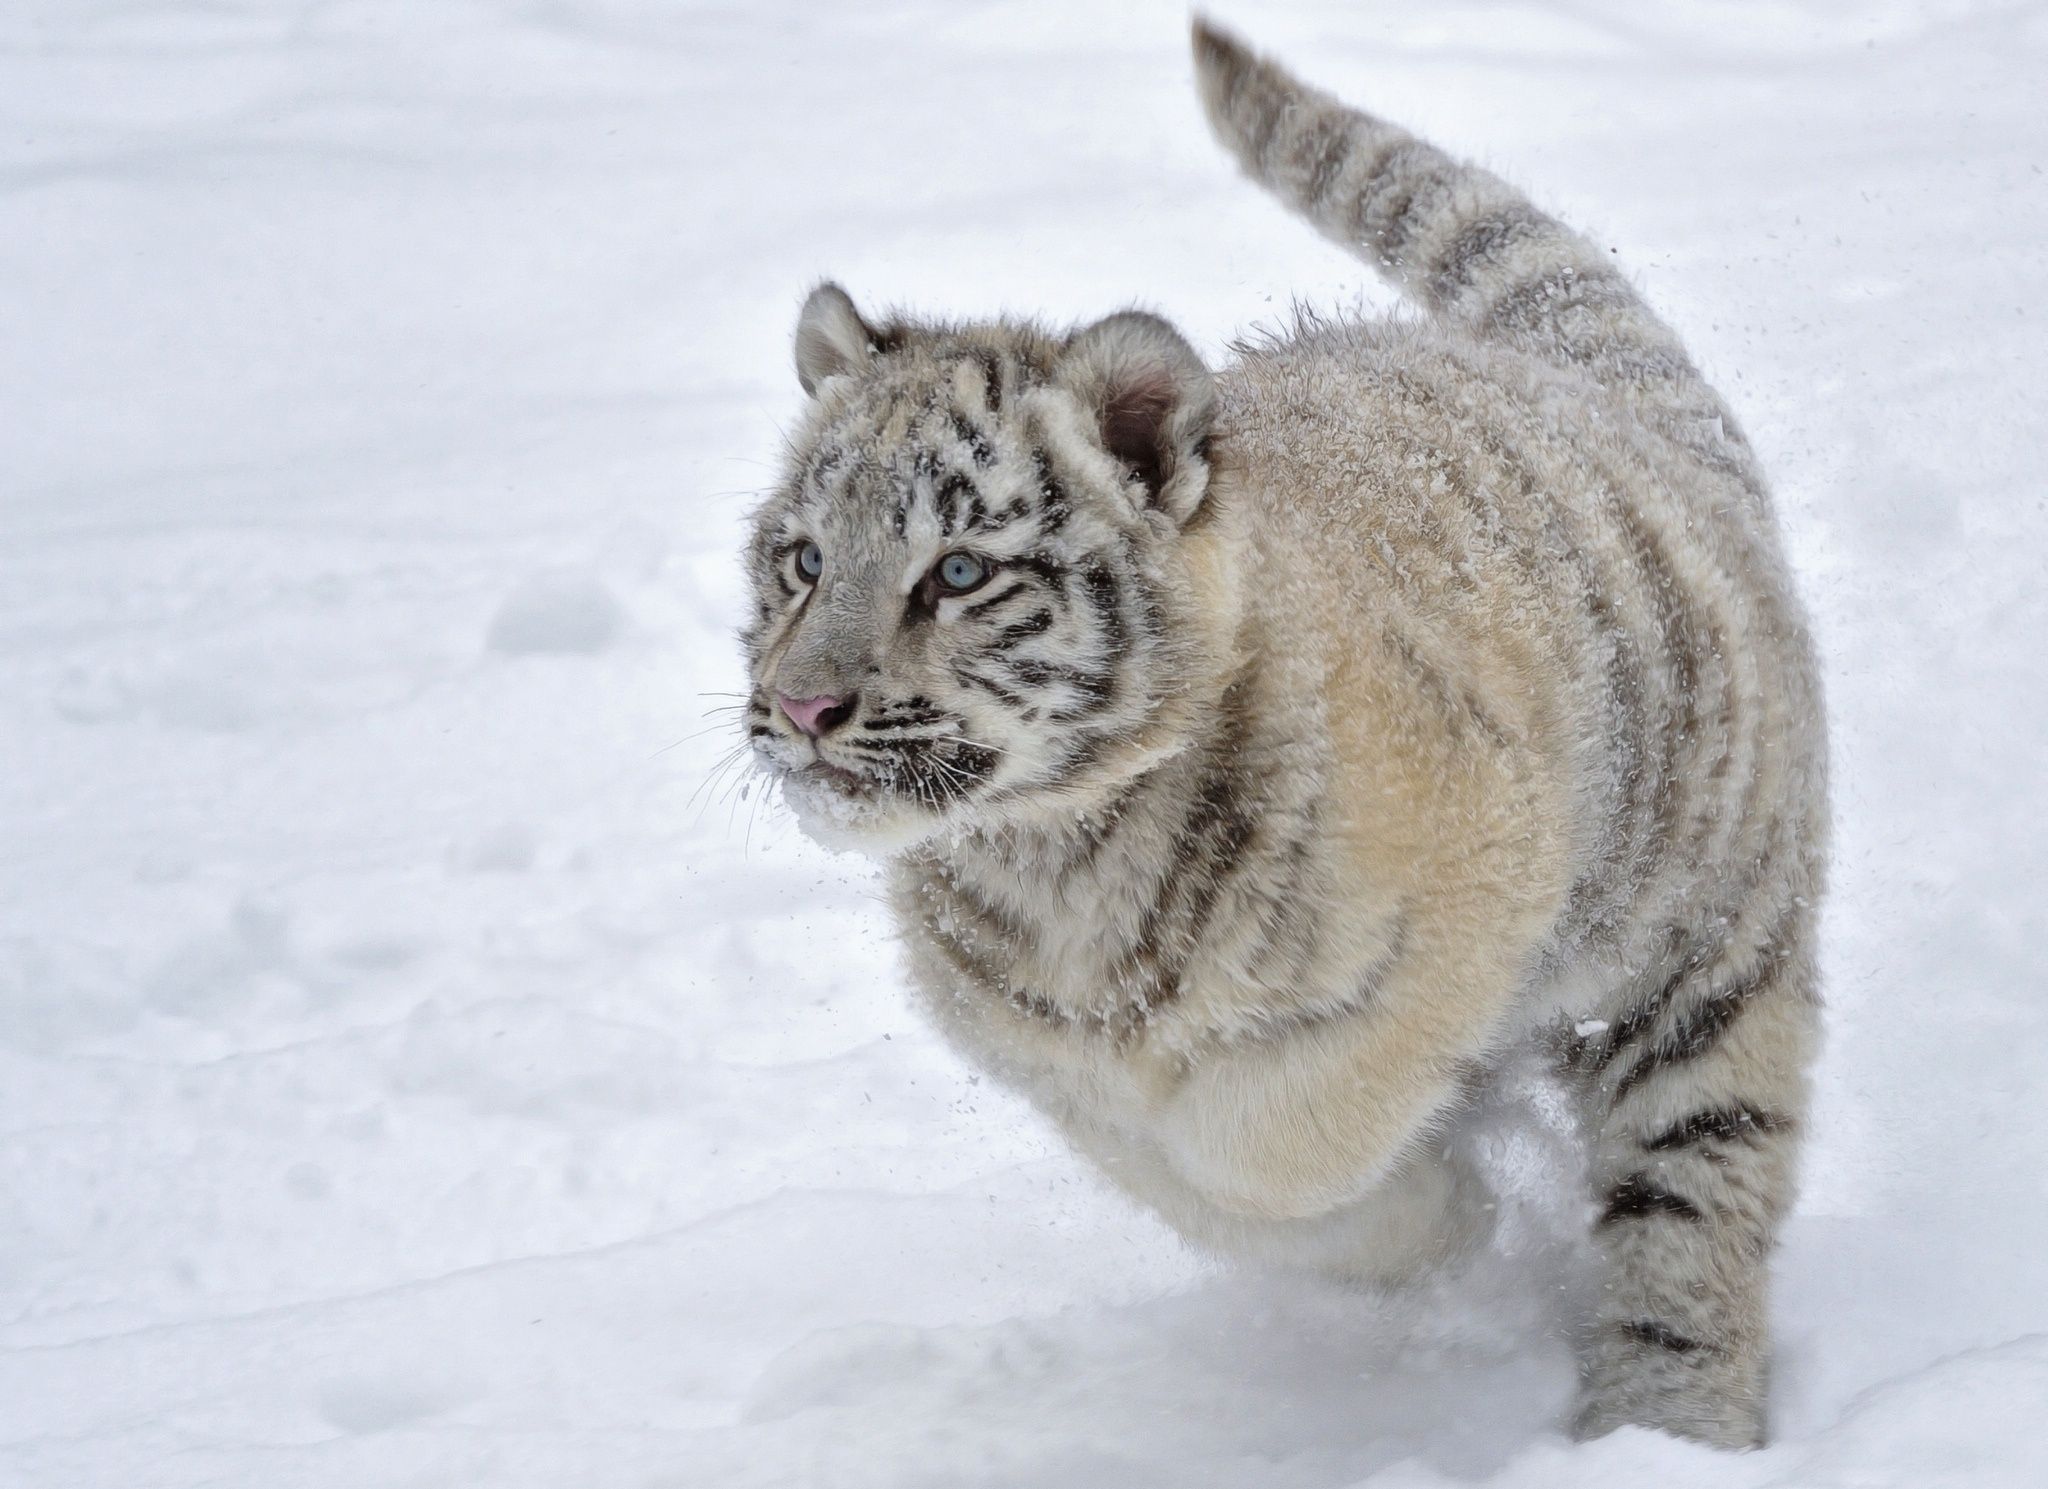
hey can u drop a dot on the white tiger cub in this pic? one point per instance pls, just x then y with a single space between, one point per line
1260 751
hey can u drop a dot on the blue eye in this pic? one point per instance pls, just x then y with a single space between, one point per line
960 572
810 560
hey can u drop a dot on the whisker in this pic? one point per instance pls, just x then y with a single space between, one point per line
711 799
950 781
740 783
951 737
736 794
747 843
976 743
717 771
718 728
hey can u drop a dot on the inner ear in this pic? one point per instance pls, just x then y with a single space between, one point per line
1134 418
1153 402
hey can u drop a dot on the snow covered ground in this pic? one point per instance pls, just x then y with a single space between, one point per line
418 1066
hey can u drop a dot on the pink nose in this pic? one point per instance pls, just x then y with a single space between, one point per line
815 715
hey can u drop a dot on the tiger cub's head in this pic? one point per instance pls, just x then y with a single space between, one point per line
986 584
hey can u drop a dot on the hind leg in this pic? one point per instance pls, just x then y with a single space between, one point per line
1694 1098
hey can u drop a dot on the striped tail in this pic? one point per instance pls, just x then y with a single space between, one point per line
1459 239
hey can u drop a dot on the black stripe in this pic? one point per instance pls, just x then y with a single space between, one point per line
1647 1331
1055 506
827 459
1287 913
994 600
1096 831
1700 1027
1638 1197
1458 705
1320 159
1390 187
1629 747
1044 567
1537 303
1105 598
1660 727
1678 631
891 746
976 442
1596 902
1000 520
1637 1022
1095 688
1480 242
1737 1123
947 502
1035 624
1364 993
1207 852
1696 1033
991 376
1436 179
993 689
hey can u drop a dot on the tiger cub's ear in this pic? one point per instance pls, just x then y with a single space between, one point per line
1153 402
831 338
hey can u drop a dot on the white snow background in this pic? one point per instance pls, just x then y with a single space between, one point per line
412 1074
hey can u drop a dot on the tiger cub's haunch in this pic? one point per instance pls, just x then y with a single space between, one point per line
1267 755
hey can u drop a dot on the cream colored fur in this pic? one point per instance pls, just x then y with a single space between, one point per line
1404 696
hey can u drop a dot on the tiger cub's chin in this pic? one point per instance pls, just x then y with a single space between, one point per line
877 826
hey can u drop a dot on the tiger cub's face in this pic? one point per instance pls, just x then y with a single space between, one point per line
967 586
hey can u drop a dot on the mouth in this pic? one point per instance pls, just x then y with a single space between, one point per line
925 776
911 791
